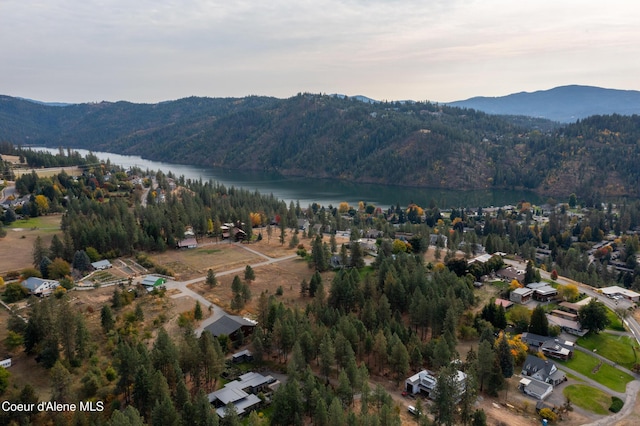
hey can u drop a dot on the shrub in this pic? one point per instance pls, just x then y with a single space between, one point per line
279 291
616 404
546 413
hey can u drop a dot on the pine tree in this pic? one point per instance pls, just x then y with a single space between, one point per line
211 281
249 274
197 312
505 357
539 323
106 318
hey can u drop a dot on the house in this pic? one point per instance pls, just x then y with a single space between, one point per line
613 291
303 224
521 295
572 327
242 356
556 348
40 287
189 243
368 244
437 240
232 326
535 341
241 393
425 382
151 282
482 259
506 304
535 388
101 265
510 273
543 292
542 370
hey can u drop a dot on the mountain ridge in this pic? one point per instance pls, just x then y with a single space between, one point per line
564 104
417 144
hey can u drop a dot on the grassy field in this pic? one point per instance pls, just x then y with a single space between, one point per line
17 245
606 375
44 223
588 398
614 321
619 349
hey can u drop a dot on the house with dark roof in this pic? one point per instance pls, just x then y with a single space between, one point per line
543 370
232 326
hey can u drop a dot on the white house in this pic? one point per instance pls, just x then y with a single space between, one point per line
40 287
425 382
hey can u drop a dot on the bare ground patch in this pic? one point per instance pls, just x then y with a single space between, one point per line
287 274
17 245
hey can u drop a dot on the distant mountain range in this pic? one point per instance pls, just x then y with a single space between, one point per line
564 104
356 139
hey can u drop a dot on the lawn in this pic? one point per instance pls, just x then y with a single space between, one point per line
40 222
619 349
614 321
606 375
588 398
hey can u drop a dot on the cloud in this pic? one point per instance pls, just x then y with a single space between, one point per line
154 50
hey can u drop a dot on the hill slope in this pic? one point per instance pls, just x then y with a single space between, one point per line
410 144
565 104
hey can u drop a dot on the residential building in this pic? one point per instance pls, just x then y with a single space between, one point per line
521 295
535 388
425 382
40 287
543 370
569 326
242 393
232 326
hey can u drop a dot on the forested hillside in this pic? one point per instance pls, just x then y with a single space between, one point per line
409 144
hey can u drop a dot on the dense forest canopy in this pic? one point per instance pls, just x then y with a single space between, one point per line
411 144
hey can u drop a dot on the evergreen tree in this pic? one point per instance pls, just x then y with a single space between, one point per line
38 252
249 274
106 318
197 312
211 281
445 396
539 323
505 357
81 261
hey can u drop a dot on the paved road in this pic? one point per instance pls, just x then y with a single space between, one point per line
8 191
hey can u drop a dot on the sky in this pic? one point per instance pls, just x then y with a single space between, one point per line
148 51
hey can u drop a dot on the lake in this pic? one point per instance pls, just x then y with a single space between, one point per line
322 191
